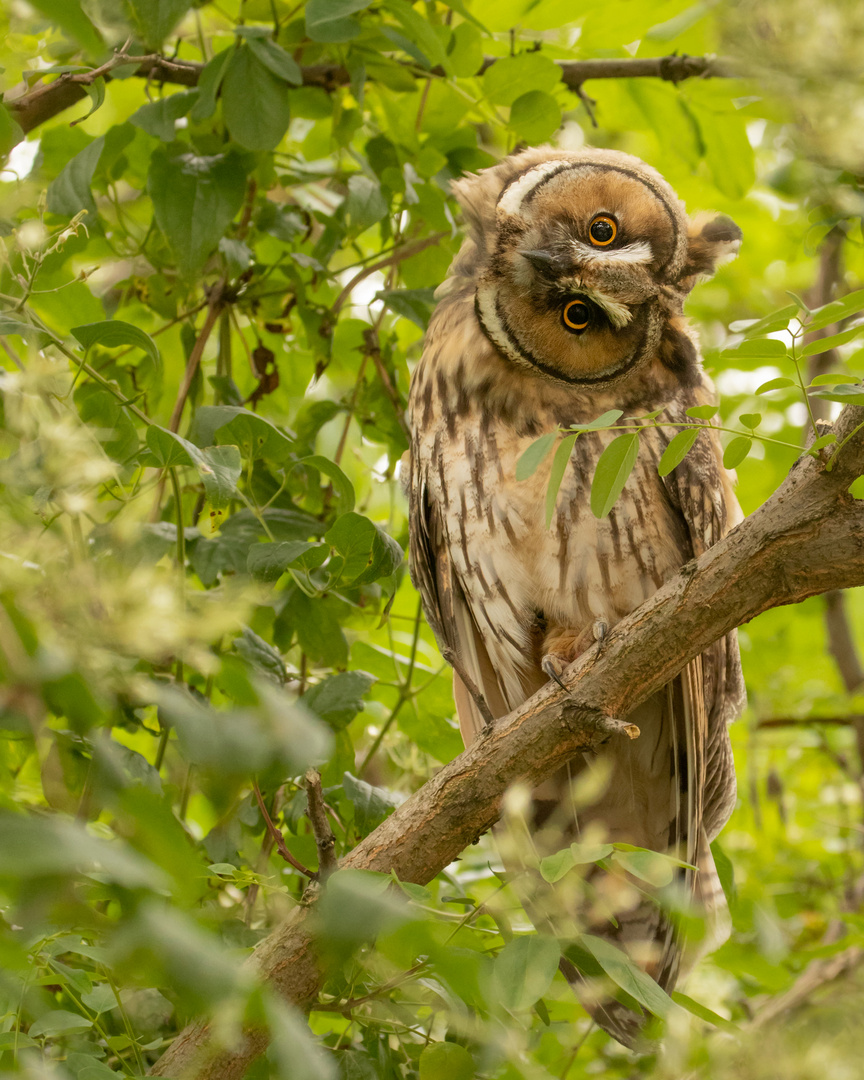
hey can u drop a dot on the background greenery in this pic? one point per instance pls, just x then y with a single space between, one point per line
184 616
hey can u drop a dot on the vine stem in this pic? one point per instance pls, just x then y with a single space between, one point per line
830 465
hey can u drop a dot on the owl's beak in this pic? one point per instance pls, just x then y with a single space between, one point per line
547 263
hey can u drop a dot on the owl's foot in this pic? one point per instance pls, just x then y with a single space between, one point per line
565 649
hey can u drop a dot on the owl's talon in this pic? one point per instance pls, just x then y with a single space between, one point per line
553 668
600 629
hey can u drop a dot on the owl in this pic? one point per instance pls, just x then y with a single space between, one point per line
565 301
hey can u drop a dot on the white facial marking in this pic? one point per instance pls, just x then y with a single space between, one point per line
635 254
511 200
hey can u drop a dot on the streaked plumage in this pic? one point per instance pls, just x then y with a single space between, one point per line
501 366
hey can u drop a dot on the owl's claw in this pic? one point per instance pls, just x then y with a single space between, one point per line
553 668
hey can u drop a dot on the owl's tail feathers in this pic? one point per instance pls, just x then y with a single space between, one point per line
615 1018
674 956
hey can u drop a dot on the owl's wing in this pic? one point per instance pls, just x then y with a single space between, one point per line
712 684
448 612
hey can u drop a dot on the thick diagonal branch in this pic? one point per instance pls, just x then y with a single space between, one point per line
807 539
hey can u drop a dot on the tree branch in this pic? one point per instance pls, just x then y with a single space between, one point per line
34 107
325 841
806 539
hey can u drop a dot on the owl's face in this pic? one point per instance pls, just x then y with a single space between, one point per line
591 259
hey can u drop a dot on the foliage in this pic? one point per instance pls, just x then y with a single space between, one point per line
212 295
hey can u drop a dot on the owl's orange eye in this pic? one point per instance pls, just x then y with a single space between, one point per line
603 230
576 315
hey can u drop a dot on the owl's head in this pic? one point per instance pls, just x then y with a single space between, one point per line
582 262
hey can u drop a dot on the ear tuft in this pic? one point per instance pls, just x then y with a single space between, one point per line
711 240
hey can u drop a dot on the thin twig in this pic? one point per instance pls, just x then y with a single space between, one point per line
373 350
215 304
278 838
324 838
397 256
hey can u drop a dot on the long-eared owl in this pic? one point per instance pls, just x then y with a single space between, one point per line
565 301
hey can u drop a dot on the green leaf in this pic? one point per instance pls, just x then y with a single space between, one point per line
413 304
157 18
261 654
678 448
371 804
466 49
589 853
524 969
58 1022
822 345
648 866
419 30
194 200
34 848
703 412
613 469
756 349
768 324
11 132
446 1061
328 20
624 973
268 562
158 118
751 420
274 57
255 102
368 552
342 486
113 333
851 394
531 459
220 468
511 77
10 1039
364 204
70 192
829 379
338 698
822 441
67 14
554 867
535 116
96 92
728 152
209 83
556 474
848 305
856 488
256 436
736 451
168 448
10 325
702 1012
775 384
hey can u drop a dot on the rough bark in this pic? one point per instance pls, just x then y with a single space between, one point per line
36 106
808 538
